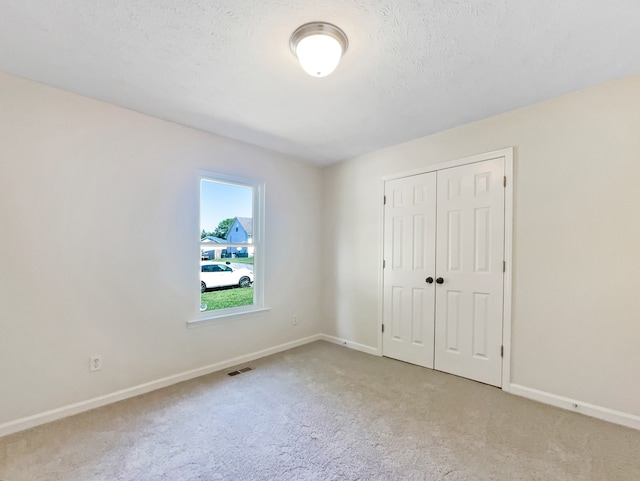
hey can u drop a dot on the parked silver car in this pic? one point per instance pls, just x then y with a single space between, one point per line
219 274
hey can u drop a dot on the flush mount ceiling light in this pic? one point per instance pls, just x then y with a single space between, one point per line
319 47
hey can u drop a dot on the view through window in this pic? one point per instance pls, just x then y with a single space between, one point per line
227 244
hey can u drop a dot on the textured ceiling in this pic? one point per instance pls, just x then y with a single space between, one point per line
414 67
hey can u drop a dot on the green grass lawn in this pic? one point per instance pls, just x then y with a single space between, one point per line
225 298
236 260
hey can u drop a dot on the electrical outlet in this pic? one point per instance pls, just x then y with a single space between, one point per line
295 320
95 363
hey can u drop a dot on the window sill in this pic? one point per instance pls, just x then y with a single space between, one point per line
216 318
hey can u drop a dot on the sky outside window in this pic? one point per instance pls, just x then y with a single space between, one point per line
220 201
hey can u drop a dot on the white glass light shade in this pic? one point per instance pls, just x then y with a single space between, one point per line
319 47
319 55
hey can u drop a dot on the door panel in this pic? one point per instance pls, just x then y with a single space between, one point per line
409 249
447 224
469 258
453 321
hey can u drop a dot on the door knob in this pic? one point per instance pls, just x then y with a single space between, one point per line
440 280
429 280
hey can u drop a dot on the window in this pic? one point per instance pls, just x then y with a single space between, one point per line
230 246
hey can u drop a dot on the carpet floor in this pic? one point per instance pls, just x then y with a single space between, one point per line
324 412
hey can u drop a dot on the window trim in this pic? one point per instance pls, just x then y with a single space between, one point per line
257 243
205 321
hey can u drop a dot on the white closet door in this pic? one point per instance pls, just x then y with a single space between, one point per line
409 253
469 264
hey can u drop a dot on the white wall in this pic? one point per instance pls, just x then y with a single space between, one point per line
576 315
99 248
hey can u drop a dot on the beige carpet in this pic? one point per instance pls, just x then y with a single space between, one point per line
324 412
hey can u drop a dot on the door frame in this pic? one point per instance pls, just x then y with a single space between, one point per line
508 154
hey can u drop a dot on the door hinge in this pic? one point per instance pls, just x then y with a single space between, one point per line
504 266
384 201
384 264
504 183
501 351
383 328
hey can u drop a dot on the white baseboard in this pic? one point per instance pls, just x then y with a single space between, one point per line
352 345
11 427
76 408
606 414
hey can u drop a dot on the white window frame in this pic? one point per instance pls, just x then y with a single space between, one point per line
257 243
